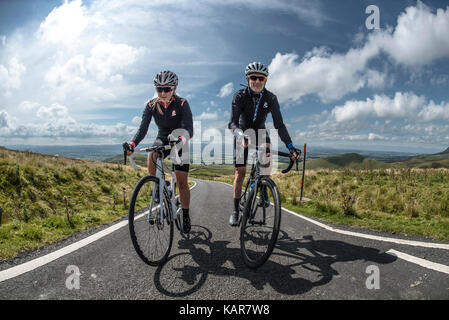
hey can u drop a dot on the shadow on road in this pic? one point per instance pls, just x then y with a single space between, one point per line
295 267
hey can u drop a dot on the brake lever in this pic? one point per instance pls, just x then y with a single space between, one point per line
125 148
289 167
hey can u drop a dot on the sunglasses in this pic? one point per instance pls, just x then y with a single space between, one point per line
164 89
260 78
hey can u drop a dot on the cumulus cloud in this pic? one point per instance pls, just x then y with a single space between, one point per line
226 90
403 105
55 122
11 76
433 112
136 120
207 116
419 38
64 24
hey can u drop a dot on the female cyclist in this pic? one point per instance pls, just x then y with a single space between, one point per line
172 114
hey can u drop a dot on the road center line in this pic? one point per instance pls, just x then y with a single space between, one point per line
422 262
38 262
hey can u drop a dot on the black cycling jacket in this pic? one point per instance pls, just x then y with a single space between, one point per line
177 115
244 108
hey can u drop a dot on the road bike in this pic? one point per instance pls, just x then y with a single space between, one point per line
260 205
154 208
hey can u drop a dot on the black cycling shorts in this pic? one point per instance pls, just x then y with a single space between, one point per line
239 162
160 141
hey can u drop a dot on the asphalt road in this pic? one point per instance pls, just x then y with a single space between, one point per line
309 262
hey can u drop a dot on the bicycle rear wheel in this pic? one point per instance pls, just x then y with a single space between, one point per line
151 233
260 223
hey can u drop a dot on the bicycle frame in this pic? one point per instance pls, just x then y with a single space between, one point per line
254 176
161 168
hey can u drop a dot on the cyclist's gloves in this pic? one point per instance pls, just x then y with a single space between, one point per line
183 140
129 146
293 149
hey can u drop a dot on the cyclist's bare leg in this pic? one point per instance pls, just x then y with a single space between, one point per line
151 165
183 187
238 181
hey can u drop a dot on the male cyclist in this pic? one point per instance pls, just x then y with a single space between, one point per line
250 107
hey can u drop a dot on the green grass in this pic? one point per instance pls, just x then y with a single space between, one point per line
407 201
46 198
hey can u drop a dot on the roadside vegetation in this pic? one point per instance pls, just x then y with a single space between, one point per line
46 198
407 201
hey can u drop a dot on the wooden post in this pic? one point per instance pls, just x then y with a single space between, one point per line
303 170
124 197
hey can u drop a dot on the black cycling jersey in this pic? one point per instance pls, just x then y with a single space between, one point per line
176 115
250 110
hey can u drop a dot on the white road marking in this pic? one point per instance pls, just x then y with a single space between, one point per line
38 262
422 262
366 236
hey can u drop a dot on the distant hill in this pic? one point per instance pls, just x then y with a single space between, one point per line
437 160
347 160
444 152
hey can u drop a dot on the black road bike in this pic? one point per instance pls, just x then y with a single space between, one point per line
260 204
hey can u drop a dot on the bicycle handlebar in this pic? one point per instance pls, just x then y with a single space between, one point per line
171 145
279 153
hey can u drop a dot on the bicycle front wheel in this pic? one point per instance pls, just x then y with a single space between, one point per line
151 232
260 223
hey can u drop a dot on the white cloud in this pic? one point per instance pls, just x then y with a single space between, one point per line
136 120
420 38
4 119
403 105
226 90
107 59
330 76
11 77
65 23
55 114
433 112
3 39
207 116
55 122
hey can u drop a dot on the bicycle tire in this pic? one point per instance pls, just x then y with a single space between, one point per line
250 225
140 228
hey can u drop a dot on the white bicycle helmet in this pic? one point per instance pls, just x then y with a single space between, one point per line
256 67
165 78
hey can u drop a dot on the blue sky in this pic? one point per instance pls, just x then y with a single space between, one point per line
80 72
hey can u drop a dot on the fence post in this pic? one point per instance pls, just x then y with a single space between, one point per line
303 170
124 197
